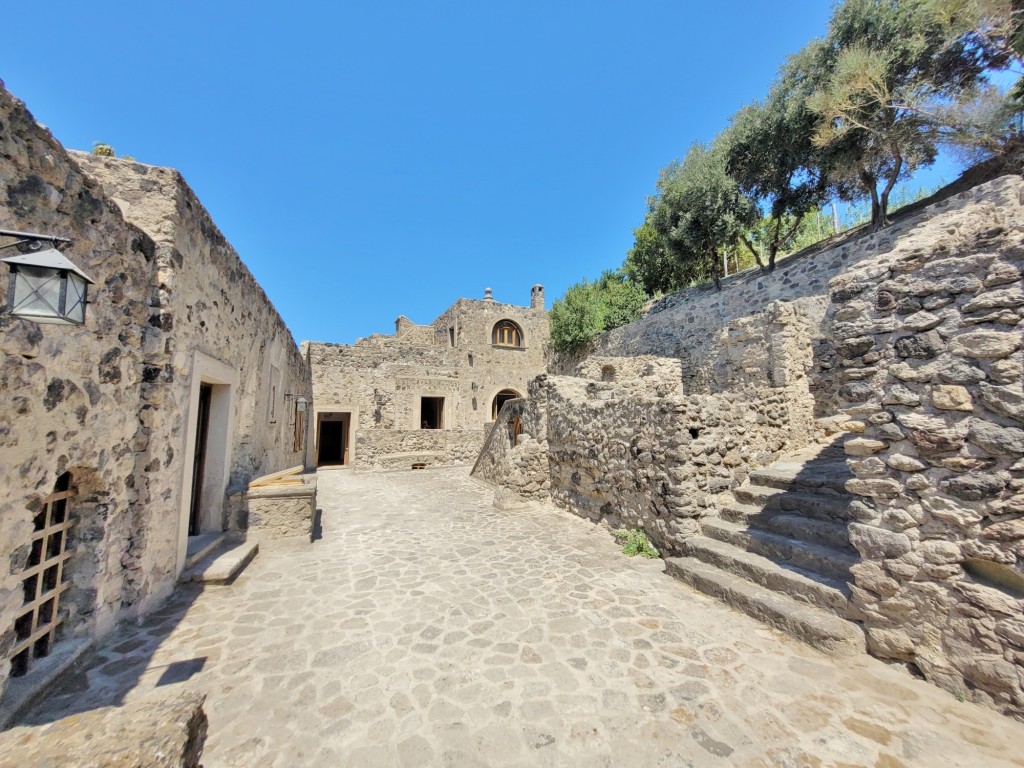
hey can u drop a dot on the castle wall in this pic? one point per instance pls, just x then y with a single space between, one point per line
929 339
912 337
380 382
114 401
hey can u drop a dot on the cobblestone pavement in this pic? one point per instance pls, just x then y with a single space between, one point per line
429 628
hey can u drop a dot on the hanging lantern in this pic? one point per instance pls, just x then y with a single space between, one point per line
46 286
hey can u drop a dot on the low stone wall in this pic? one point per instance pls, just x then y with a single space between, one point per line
158 731
283 511
400 449
635 451
929 342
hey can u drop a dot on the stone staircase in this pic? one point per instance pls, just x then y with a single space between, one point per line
781 553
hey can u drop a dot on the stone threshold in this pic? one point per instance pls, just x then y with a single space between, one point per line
22 692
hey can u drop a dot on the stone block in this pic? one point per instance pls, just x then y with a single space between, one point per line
881 488
158 731
878 543
932 434
952 397
283 512
905 463
890 644
1006 297
861 446
898 394
997 440
974 487
1006 401
985 344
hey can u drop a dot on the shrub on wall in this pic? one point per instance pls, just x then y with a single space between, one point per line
588 308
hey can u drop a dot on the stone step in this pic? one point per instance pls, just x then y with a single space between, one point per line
823 506
829 533
223 564
814 626
815 558
200 546
813 589
830 476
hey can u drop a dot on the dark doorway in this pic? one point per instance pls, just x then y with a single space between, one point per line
199 459
332 442
500 399
432 412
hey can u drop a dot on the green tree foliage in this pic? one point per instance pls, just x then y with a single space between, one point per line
103 150
771 154
588 308
650 264
889 67
699 212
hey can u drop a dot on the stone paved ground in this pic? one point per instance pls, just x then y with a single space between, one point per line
428 628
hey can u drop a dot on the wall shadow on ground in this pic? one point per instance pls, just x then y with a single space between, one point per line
117 663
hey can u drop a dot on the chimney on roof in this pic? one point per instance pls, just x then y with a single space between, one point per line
537 297
487 295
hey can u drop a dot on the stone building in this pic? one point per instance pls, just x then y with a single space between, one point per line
425 395
123 438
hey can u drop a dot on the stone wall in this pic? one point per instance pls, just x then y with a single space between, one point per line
910 338
380 381
928 338
624 444
63 386
109 401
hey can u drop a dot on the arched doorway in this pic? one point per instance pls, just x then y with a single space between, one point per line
500 399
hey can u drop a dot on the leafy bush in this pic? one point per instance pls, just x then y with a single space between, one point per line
103 150
635 542
588 308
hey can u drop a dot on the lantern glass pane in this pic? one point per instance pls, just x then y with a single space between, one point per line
75 300
36 291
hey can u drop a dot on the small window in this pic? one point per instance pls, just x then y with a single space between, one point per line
507 334
432 413
43 580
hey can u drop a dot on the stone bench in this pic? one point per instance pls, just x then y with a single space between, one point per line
282 511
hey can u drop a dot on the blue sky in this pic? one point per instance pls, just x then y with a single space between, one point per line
373 159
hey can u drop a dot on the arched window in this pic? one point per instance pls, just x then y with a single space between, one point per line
500 399
507 334
43 581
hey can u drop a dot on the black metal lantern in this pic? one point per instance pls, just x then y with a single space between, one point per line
45 286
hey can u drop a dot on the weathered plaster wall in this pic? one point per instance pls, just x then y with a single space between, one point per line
380 381
110 400
929 337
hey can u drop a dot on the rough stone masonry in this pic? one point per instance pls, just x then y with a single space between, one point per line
910 339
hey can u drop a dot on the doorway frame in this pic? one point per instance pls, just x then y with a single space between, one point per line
344 418
350 436
223 380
